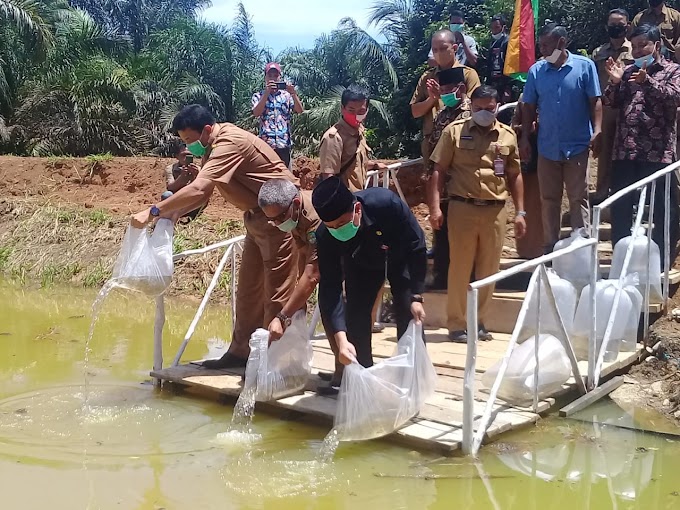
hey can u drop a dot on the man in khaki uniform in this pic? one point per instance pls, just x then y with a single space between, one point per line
668 21
481 157
426 101
344 151
237 163
619 49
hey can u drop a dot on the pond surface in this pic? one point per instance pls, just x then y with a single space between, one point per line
96 437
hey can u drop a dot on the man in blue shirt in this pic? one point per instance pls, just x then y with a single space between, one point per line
565 90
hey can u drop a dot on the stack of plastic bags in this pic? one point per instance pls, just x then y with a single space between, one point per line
517 386
282 368
575 266
144 263
640 264
376 401
625 319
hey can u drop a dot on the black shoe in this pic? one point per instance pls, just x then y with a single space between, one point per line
325 376
328 391
228 360
378 327
483 334
458 337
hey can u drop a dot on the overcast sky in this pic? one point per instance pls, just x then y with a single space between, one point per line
287 23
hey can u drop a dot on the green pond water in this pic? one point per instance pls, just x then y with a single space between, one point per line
98 437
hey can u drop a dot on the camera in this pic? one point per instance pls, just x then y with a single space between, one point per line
281 85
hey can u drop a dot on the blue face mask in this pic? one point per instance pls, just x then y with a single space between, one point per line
456 27
649 60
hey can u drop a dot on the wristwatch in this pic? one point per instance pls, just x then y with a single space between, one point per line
285 320
522 214
417 298
155 211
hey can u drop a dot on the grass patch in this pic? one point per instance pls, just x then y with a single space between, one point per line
52 274
182 243
99 158
5 252
97 276
66 216
99 217
227 229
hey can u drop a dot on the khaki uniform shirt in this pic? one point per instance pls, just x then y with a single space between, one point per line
469 150
339 145
668 22
471 83
603 53
238 162
305 232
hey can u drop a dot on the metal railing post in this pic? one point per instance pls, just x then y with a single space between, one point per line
648 270
204 302
666 240
594 273
234 278
470 368
159 323
539 284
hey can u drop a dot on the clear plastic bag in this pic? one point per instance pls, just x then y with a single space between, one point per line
282 368
144 263
626 319
638 264
566 298
517 387
575 266
376 401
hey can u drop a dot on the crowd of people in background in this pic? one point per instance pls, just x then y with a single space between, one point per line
620 106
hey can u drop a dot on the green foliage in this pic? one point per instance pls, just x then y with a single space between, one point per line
5 252
99 217
83 77
96 276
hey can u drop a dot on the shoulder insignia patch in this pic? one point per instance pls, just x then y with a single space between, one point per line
311 237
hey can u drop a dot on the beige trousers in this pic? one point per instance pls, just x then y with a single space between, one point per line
476 235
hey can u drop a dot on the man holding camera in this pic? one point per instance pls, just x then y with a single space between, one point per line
274 106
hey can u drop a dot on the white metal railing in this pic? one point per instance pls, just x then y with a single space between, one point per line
390 175
472 438
234 248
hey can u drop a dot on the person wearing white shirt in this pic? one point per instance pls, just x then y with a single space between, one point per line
467 52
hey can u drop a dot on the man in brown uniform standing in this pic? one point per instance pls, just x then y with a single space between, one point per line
237 163
344 151
619 49
668 21
426 101
481 156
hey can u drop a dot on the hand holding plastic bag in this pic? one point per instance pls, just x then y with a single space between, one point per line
144 263
376 401
282 368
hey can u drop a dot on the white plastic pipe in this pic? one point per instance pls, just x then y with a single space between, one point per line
648 268
667 238
159 323
469 378
204 303
206 249
539 284
594 273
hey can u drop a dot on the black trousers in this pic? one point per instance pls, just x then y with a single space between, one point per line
625 173
440 249
284 154
361 290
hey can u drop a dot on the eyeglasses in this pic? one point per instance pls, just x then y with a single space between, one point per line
277 220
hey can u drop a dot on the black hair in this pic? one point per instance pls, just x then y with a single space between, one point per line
354 93
484 92
193 116
620 12
651 32
499 18
553 30
175 146
455 13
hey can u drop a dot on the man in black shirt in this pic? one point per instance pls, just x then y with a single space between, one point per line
360 233
496 59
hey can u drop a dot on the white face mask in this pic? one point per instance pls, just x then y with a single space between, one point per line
554 56
497 36
483 118
362 117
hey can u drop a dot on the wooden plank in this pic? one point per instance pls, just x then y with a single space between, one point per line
591 397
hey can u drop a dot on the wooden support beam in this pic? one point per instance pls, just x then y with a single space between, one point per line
591 397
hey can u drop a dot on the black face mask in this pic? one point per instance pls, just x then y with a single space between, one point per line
616 31
655 3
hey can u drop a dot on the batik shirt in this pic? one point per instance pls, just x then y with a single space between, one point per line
647 124
275 120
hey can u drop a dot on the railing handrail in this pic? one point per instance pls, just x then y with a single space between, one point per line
199 251
530 264
638 184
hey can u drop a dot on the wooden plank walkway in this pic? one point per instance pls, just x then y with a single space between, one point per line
438 427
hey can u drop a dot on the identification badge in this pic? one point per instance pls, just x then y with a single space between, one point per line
498 164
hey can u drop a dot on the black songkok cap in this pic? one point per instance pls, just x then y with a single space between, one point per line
332 199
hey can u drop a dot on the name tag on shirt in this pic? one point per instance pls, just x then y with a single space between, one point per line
465 137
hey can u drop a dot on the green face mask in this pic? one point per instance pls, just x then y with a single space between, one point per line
197 149
450 100
346 232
